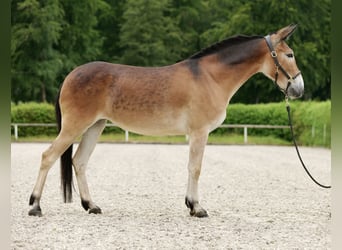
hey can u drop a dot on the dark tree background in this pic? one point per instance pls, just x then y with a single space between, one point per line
51 37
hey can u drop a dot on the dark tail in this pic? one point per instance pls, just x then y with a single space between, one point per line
66 160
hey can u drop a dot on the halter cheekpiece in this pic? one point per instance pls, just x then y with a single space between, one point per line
274 55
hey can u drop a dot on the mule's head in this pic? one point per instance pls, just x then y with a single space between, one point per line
280 63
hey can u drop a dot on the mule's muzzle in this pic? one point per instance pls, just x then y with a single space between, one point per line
296 88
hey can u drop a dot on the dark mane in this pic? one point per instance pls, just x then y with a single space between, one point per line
231 41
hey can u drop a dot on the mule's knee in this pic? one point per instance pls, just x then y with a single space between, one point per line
195 172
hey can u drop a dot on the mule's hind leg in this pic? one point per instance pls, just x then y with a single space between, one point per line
197 143
80 161
57 148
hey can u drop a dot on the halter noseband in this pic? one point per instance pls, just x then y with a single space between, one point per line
290 79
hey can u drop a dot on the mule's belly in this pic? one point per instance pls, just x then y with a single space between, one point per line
155 125
160 125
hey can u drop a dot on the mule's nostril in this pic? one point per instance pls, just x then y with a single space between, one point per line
295 92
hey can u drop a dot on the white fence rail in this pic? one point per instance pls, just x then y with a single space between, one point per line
244 126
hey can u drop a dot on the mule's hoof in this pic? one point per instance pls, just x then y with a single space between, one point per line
95 210
200 214
195 209
36 211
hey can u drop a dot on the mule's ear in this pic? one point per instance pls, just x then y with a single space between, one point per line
284 33
287 31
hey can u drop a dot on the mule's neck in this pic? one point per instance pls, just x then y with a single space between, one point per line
232 67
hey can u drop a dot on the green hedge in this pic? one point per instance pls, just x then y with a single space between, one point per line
261 114
34 113
311 120
313 123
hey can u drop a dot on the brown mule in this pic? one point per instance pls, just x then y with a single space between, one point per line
189 97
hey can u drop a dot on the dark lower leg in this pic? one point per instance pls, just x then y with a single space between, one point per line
92 210
36 210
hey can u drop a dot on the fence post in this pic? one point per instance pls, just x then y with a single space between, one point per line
126 136
16 131
313 131
187 137
245 134
324 133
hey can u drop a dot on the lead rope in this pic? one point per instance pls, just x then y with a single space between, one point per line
295 144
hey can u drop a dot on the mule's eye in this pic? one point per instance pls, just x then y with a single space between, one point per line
290 55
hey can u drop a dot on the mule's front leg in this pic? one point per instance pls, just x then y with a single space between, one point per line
197 143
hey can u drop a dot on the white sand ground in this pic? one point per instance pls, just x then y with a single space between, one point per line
257 197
